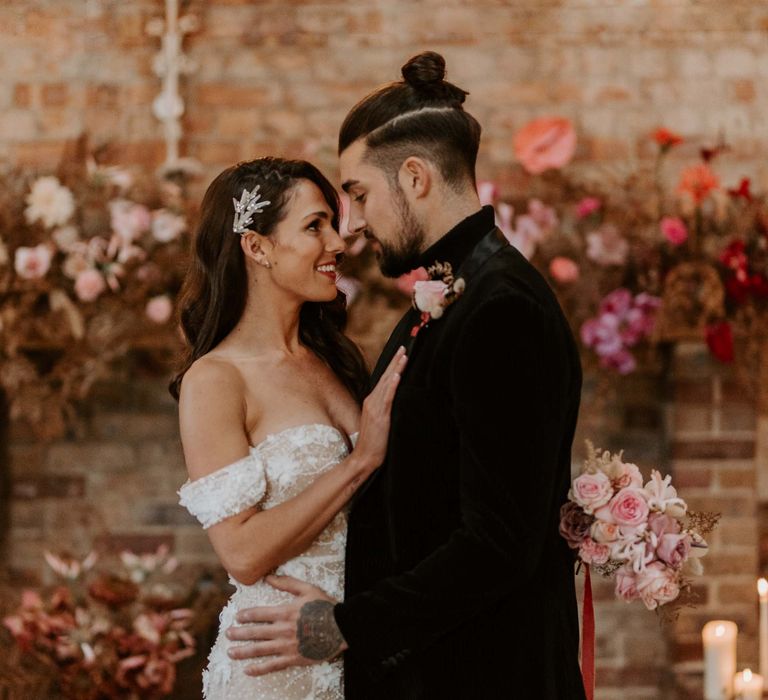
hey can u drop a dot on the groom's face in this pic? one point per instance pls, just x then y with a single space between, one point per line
380 211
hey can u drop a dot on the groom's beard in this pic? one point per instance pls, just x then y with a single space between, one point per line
397 258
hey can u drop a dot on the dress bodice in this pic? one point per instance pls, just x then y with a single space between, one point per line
277 469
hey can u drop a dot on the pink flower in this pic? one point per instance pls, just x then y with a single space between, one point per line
674 549
31 600
89 285
487 192
629 507
33 263
593 553
661 524
587 206
674 230
629 475
563 270
129 220
429 297
547 142
159 309
623 361
591 491
604 532
657 585
544 216
626 584
167 226
607 246
405 282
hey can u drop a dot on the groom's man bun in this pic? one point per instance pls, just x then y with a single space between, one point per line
421 115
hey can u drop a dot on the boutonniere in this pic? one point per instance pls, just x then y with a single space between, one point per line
432 297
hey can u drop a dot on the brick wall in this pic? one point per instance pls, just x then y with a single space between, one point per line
279 76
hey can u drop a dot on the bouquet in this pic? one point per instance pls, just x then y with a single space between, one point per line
640 533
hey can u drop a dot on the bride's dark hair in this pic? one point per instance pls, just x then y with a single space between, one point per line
215 288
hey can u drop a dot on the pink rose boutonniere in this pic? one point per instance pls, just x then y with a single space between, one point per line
433 296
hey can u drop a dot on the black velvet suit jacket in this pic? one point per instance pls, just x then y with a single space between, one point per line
458 584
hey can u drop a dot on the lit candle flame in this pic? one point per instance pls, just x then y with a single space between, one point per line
762 587
720 631
747 675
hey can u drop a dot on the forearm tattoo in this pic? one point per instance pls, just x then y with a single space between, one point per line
319 636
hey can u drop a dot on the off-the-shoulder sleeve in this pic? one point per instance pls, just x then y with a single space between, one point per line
225 492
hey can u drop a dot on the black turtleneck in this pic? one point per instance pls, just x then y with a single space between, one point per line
458 243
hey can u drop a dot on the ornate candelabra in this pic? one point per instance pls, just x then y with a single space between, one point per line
170 64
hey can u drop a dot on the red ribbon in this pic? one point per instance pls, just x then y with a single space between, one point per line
588 639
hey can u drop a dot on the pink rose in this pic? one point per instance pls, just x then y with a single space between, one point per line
657 585
33 263
626 584
593 553
89 285
661 524
405 282
587 206
629 476
629 507
564 270
547 142
604 533
129 220
591 491
429 297
159 309
674 549
674 230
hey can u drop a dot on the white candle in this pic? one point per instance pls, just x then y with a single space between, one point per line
762 590
748 685
719 637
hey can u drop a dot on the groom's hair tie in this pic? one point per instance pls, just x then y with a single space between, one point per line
421 115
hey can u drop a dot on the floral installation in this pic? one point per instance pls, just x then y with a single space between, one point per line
639 532
91 261
114 630
433 296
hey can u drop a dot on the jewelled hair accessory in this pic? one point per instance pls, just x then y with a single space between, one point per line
250 203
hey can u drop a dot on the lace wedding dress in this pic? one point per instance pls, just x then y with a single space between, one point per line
277 469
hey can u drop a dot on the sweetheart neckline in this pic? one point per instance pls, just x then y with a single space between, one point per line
271 436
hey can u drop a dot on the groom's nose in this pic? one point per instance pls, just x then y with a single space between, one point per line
357 223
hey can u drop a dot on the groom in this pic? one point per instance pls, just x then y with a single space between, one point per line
458 585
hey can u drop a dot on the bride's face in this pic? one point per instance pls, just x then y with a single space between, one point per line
303 249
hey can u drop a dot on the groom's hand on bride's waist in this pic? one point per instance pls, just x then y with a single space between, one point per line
299 633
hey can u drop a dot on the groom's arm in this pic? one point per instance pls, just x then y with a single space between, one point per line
514 389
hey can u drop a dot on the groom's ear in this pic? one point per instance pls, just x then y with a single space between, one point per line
416 177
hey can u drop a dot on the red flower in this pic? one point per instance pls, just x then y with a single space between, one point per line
666 138
720 340
698 181
759 285
742 191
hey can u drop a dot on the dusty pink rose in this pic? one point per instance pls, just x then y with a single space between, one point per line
563 270
574 524
674 549
674 230
587 206
33 263
603 532
629 507
662 524
544 143
429 297
129 220
626 584
405 282
591 491
159 309
593 553
657 585
89 285
629 476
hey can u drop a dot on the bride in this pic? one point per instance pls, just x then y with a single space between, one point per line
271 403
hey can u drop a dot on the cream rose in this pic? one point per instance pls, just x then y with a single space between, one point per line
591 491
429 297
657 585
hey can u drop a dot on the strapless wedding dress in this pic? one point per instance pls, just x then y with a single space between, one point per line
277 469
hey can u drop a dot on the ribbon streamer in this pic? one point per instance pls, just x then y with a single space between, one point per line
588 639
